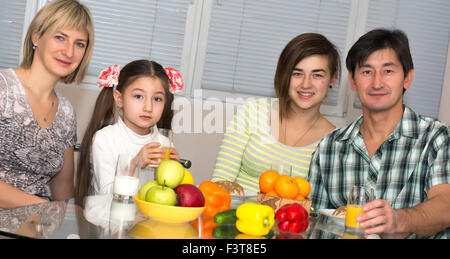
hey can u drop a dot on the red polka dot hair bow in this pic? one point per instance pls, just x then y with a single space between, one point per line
109 77
175 80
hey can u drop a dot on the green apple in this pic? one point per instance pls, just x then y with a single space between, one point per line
145 187
161 195
169 173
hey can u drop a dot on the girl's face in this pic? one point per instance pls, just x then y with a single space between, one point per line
142 104
309 83
60 52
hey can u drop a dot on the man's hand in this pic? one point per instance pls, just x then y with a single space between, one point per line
379 217
426 218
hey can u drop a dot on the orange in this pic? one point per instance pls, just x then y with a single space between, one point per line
267 180
286 187
299 197
272 193
304 185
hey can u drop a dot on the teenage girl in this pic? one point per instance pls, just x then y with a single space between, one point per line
143 95
284 131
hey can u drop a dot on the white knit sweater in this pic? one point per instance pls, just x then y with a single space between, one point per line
107 144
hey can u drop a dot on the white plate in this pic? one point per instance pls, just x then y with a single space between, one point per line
329 213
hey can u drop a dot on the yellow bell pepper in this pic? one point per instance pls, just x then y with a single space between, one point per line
254 219
245 236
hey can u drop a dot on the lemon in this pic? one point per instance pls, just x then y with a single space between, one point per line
187 178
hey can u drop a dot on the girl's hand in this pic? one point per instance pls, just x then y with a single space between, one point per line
151 154
174 154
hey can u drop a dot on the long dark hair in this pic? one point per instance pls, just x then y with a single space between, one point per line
104 114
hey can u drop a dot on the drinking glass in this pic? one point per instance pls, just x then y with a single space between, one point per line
126 181
282 169
358 197
121 218
165 138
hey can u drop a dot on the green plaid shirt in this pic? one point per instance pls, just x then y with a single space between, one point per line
410 161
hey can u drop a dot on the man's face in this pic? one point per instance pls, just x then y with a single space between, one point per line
380 81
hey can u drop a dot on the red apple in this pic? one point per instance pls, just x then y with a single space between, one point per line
189 196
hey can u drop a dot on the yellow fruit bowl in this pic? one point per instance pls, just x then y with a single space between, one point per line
154 229
169 214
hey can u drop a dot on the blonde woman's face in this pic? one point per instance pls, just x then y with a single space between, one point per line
60 52
142 104
310 81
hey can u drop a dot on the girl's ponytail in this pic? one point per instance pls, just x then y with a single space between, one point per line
103 115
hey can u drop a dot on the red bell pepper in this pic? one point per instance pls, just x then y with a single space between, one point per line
292 218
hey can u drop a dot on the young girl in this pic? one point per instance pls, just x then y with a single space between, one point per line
144 95
37 124
284 131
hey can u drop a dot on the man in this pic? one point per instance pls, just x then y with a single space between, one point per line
401 154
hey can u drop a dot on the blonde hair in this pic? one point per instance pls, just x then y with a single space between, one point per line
56 15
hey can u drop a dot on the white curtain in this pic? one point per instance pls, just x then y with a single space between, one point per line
246 37
12 14
427 25
139 29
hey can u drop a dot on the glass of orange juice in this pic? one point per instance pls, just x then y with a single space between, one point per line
358 197
165 139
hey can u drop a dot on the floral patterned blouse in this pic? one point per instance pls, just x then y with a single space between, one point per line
30 155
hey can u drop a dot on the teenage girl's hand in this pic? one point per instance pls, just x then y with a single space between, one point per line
151 154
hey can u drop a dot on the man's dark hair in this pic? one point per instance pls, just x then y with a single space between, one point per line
379 39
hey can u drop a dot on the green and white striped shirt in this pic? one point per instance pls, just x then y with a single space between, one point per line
408 163
248 148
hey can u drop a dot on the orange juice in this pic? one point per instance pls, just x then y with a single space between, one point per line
352 212
350 236
167 154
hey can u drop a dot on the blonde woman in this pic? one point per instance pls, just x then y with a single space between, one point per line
38 124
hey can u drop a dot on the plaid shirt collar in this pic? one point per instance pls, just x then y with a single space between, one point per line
407 127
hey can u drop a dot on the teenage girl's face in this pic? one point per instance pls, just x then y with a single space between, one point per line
60 52
142 104
310 81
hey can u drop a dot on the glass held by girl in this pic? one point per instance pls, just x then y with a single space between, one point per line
129 109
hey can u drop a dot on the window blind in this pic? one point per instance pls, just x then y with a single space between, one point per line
12 13
427 26
245 39
140 29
